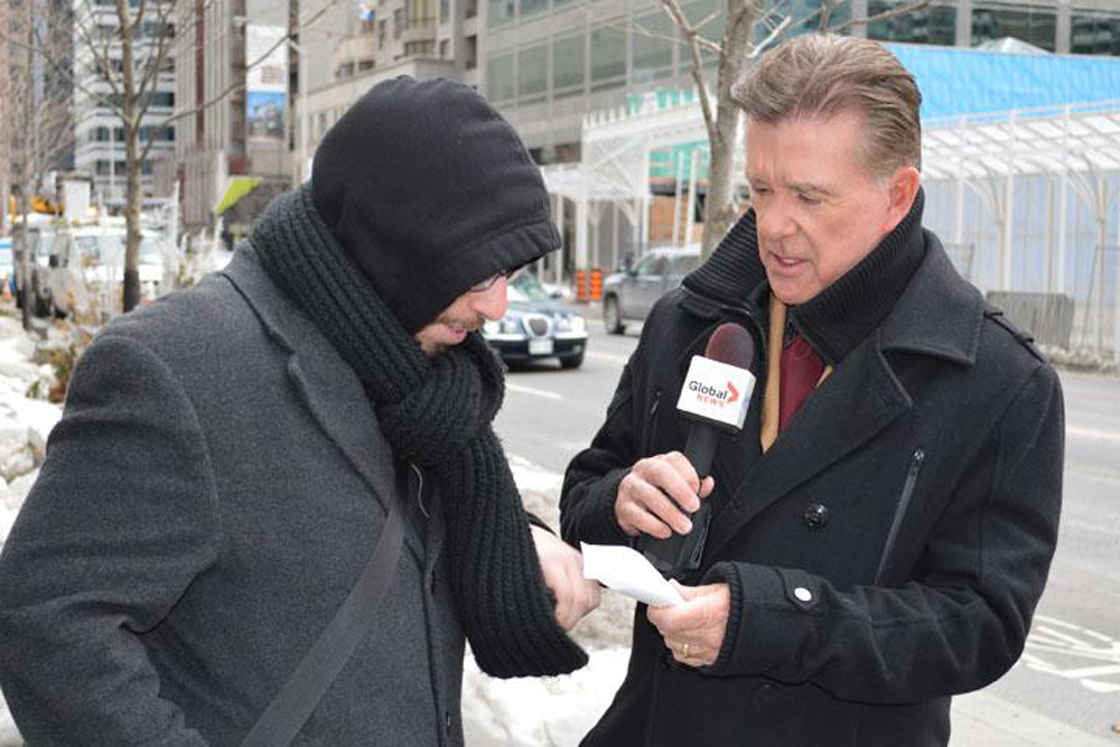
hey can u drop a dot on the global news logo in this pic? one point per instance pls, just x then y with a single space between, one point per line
711 395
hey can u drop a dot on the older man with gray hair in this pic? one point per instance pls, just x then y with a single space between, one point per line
882 528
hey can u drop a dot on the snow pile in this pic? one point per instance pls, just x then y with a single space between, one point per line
24 425
544 712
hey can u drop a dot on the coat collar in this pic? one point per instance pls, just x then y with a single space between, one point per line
323 382
938 314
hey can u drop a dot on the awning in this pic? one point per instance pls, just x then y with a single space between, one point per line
236 188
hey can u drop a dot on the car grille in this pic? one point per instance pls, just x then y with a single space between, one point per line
537 326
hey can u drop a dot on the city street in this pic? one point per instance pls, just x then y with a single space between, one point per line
1070 673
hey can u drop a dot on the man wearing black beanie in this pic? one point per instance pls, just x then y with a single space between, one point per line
211 536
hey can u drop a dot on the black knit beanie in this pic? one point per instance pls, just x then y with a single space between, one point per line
430 191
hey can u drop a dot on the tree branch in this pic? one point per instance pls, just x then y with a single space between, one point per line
673 7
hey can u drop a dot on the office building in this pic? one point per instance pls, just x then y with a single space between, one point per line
99 145
388 38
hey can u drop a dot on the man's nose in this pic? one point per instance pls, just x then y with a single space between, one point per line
492 302
775 220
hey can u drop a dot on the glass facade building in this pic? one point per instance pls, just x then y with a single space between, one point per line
548 62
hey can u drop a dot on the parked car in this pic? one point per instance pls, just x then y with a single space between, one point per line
629 295
537 326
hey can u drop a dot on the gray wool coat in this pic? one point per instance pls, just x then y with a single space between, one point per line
214 489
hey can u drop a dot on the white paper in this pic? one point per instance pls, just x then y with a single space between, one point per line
627 571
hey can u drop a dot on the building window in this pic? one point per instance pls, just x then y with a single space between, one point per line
445 49
470 9
444 10
533 7
935 24
651 51
381 34
1033 26
398 23
569 62
423 48
608 58
472 52
499 78
1094 33
532 74
163 98
364 65
103 168
420 14
159 134
498 12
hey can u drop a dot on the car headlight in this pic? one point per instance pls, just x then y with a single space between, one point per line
579 324
502 327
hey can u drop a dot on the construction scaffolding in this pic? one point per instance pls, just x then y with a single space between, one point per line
618 148
1034 192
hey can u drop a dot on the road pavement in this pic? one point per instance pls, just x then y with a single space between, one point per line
1066 689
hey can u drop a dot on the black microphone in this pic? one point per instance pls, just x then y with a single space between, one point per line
715 397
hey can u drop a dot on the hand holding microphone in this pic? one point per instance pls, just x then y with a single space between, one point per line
663 493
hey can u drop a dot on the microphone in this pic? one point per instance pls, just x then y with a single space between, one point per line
715 397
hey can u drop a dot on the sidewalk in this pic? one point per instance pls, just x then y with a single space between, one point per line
557 712
984 720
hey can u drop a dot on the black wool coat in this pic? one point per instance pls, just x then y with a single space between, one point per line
885 554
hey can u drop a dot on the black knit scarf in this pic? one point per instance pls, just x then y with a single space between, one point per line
437 413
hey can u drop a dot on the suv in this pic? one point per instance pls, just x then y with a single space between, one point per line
629 295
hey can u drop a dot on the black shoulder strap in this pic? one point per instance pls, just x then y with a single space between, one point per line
294 704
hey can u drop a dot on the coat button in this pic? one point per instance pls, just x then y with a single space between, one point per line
815 515
766 692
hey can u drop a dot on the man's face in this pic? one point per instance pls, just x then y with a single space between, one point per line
467 313
819 212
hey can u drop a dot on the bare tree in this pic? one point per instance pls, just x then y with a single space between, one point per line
749 28
123 53
41 120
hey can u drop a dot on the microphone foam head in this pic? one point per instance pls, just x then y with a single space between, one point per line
731 344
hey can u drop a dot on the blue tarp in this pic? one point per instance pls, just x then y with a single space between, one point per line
967 81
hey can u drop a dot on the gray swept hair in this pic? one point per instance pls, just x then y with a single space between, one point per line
822 75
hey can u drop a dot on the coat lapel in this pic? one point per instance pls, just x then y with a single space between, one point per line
860 399
324 383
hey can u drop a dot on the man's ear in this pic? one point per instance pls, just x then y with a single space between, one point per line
903 188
